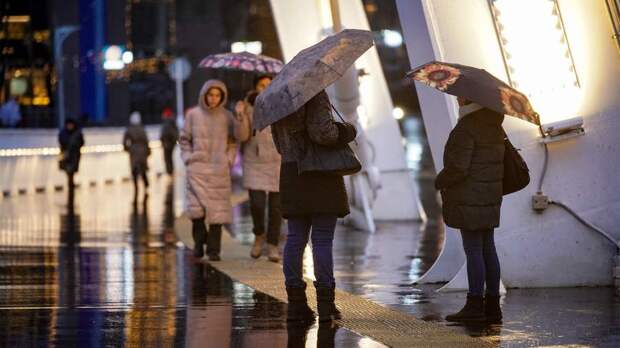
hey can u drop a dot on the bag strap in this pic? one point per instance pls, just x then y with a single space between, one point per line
337 112
341 118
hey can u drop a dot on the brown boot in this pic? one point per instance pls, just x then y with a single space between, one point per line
273 253
473 311
257 248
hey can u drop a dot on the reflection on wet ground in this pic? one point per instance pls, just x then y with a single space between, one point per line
106 271
384 266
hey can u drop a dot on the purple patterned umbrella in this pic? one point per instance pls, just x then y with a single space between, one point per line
477 85
242 61
308 73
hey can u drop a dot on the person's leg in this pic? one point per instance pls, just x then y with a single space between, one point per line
214 242
199 233
491 263
472 244
134 175
145 179
322 236
492 309
275 223
297 239
71 188
474 308
298 232
275 218
257 210
168 159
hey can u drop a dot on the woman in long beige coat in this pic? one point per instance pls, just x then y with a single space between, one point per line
261 175
206 147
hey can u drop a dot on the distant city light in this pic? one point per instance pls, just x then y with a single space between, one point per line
398 113
255 47
127 57
112 58
237 47
392 38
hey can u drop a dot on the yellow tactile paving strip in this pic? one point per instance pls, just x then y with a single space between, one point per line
388 326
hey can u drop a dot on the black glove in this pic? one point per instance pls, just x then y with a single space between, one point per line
346 133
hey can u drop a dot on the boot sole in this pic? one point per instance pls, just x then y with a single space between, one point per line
467 320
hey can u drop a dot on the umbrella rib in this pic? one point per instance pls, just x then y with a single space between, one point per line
331 68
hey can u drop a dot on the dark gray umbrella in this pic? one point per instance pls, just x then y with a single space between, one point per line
308 73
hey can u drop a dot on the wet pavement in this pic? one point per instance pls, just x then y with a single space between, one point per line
108 271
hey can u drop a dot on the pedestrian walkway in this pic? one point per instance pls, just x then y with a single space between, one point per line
391 327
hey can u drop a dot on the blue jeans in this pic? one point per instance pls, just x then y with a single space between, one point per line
482 262
322 236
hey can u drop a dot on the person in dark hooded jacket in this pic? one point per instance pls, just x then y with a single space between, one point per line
169 135
71 141
471 190
136 143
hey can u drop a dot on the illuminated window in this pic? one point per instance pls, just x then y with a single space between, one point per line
537 55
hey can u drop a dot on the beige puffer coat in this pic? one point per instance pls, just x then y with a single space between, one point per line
206 150
261 160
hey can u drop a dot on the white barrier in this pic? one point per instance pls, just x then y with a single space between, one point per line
29 160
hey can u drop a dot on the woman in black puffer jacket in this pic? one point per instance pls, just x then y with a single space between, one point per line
310 201
471 190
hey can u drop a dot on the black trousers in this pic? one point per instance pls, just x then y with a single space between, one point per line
142 175
258 203
168 159
213 236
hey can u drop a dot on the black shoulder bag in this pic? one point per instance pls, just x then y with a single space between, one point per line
339 161
516 172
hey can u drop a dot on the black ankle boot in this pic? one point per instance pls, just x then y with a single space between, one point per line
199 230
298 310
492 309
325 298
473 311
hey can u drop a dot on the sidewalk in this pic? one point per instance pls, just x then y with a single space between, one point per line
365 317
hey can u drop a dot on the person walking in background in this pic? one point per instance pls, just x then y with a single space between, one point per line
261 175
206 146
71 141
311 201
169 135
471 191
136 142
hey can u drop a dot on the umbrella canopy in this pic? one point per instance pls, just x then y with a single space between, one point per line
476 85
308 73
242 61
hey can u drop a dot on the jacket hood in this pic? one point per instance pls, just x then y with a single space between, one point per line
485 115
205 88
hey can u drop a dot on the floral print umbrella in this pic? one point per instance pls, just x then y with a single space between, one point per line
476 85
242 61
